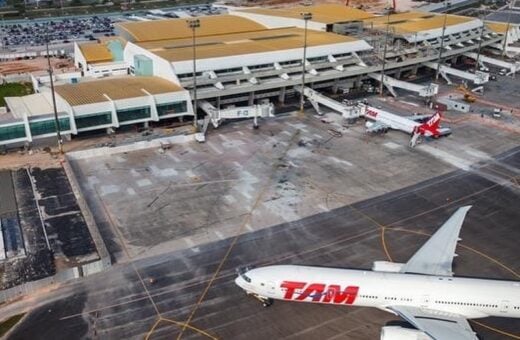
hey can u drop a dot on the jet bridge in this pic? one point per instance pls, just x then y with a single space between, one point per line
512 67
217 116
422 90
478 78
317 98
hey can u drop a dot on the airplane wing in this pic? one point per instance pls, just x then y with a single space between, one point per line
435 257
438 325
419 118
376 127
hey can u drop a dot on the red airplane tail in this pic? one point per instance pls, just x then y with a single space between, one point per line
432 125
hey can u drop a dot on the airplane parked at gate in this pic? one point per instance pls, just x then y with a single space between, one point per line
422 291
382 121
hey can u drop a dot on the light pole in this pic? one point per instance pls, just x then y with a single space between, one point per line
479 45
56 120
442 45
306 17
194 24
504 47
384 52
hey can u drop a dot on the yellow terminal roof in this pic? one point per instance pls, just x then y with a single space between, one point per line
412 22
326 13
95 52
89 92
242 43
498 27
178 28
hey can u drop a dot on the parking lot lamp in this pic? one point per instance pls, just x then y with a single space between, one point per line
56 120
306 17
194 24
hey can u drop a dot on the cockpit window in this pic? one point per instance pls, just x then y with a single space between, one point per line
242 272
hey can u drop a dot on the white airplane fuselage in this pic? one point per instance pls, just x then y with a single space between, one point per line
394 121
469 297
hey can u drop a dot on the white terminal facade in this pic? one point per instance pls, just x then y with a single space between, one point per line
146 73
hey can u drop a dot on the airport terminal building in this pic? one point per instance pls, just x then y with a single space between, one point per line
146 73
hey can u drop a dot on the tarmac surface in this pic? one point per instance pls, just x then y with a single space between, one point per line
301 190
122 303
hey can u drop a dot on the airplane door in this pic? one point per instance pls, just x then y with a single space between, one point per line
504 307
425 302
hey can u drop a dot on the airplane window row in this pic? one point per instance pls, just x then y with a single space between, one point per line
466 304
368 296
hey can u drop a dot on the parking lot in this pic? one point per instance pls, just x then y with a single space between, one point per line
60 31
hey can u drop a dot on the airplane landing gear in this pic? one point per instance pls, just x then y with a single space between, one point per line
266 302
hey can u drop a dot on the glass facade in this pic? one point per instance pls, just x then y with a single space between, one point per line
170 108
98 119
44 127
133 114
12 132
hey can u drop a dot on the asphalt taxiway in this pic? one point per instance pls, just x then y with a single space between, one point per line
196 284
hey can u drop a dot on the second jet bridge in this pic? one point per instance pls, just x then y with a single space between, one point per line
391 83
478 78
317 98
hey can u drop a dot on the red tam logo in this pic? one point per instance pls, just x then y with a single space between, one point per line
319 292
372 113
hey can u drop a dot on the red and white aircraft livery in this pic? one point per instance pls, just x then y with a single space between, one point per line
422 291
382 121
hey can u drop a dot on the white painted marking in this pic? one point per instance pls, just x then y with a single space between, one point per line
240 133
285 132
223 137
447 157
248 227
392 145
477 153
130 191
190 244
323 207
245 194
219 235
189 173
175 159
230 199
109 189
317 136
135 173
339 161
214 148
238 165
144 182
410 103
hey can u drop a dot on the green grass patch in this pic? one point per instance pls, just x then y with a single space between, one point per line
6 325
14 90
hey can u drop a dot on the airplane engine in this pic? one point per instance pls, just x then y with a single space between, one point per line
368 124
385 266
400 333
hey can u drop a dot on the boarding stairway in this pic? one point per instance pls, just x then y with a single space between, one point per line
478 78
391 83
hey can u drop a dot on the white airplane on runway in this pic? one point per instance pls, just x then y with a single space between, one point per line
382 121
422 291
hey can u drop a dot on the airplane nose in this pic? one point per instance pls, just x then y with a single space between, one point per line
240 282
